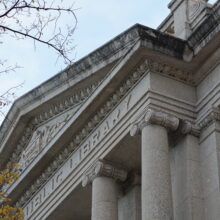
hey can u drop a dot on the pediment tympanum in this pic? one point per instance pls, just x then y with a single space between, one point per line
44 126
42 136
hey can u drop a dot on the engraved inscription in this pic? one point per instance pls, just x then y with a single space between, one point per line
93 141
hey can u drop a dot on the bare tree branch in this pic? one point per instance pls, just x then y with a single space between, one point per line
54 46
7 97
46 22
42 21
7 68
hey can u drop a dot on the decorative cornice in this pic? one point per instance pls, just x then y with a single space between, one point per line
151 116
101 168
171 71
22 143
82 94
66 104
190 128
120 93
212 116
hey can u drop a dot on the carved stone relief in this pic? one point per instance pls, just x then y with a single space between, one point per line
87 139
81 95
195 7
101 168
41 137
81 144
171 71
45 125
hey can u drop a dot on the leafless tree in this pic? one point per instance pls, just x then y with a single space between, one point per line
44 22
41 21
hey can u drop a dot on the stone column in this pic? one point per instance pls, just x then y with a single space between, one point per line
104 178
189 197
129 205
156 180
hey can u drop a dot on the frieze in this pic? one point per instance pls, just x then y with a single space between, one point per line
171 71
81 148
65 164
83 94
86 140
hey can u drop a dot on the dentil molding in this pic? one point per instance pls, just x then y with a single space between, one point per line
152 117
113 100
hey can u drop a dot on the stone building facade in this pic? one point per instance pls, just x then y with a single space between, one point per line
129 132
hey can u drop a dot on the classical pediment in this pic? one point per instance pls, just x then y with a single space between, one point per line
57 118
33 107
143 98
45 125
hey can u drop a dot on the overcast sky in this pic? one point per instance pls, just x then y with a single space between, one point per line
98 21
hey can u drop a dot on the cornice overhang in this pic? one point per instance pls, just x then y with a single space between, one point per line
25 107
123 52
108 86
79 119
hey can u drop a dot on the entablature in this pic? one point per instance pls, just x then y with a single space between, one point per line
93 94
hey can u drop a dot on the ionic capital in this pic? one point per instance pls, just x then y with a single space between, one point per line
101 168
154 117
189 128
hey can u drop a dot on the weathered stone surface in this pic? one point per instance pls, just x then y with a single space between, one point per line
163 90
156 179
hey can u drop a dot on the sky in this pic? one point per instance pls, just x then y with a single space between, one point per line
98 22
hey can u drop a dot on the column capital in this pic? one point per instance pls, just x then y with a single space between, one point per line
190 128
151 116
101 168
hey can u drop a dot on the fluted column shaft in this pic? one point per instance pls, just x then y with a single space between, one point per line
104 178
156 178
